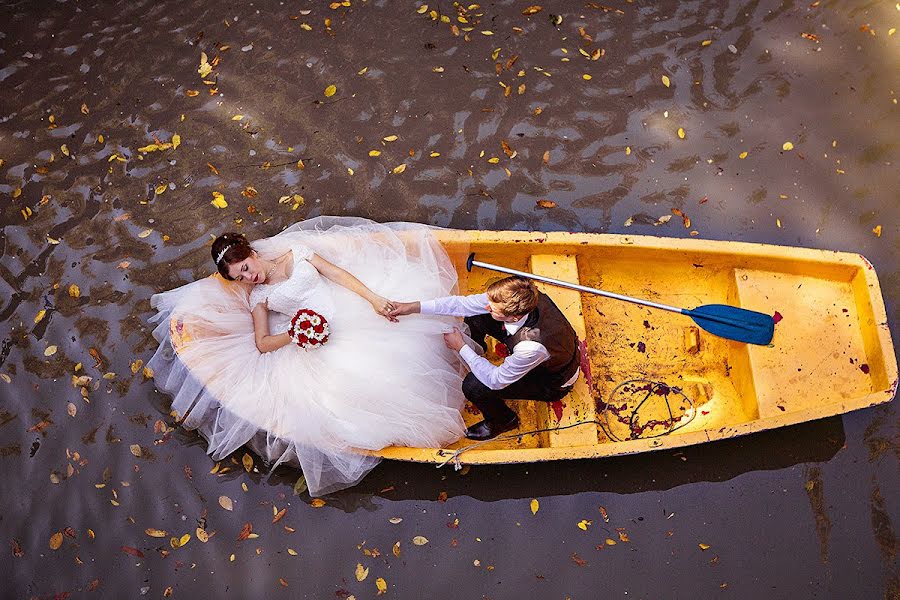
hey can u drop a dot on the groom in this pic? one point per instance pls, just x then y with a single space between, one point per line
544 360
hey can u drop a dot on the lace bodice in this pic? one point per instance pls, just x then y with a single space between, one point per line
305 288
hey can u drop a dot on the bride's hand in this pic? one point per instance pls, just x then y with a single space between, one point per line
385 308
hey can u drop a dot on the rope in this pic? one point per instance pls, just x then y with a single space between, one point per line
654 387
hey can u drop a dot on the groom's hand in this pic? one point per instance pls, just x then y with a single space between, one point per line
404 308
454 340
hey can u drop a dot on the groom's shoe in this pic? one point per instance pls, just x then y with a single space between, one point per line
486 430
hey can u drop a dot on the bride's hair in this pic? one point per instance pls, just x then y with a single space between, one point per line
228 249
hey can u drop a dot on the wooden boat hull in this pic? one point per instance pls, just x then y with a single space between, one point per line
831 354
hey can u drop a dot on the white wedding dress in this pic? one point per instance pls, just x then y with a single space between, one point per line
372 385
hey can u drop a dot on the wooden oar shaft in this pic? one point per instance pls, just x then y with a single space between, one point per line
575 286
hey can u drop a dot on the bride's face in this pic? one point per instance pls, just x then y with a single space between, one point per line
249 270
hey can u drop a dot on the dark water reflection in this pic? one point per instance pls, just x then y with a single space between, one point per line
808 511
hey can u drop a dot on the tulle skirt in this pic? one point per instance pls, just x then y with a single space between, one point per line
372 385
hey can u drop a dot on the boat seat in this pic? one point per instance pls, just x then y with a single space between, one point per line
579 404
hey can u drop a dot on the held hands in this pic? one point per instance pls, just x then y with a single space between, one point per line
385 308
404 308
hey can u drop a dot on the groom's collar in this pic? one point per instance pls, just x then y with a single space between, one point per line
512 328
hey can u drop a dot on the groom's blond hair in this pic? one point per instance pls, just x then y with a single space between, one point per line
515 296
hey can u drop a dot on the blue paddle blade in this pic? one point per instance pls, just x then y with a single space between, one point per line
734 323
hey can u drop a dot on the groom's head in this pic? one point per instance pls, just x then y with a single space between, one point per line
511 298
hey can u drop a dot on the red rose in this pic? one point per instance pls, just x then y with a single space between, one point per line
302 338
313 342
501 350
305 324
318 328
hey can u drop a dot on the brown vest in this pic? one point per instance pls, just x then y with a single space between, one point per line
548 326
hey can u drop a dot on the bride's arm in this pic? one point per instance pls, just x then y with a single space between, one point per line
341 277
264 341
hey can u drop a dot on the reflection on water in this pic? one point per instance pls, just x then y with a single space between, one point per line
100 209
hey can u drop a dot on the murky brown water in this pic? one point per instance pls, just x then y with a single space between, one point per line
804 512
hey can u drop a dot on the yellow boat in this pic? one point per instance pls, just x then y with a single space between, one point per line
653 379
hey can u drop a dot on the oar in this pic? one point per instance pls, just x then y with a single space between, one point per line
722 320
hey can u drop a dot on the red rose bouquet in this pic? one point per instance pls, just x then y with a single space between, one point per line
309 329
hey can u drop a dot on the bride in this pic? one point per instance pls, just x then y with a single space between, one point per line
228 360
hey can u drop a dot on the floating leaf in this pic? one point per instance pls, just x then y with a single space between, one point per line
532 10
374 153
704 547
381 585
396 549
583 524
247 461
399 169
136 450
317 503
237 117
361 572
610 542
205 68
300 486
787 146
71 409
56 540
132 551
543 203
40 315
50 350
681 133
176 141
157 533
420 540
330 91
292 552
219 200
665 81
535 505
202 535
586 77
390 138
226 503
877 230
742 155
394 520
74 291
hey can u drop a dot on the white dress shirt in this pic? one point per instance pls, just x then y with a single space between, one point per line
525 356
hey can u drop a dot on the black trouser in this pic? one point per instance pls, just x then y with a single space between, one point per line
533 386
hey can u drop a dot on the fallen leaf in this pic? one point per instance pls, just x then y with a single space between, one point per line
584 524
543 203
157 533
381 585
132 551
399 169
50 350
40 315
74 291
535 505
330 91
787 146
395 520
226 503
247 461
877 230
681 133
56 540
396 549
219 200
246 531
704 547
532 10
665 80
317 503
361 572
420 540
71 409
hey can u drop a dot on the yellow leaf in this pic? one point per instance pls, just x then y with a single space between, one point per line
374 152
742 155
330 91
202 535
292 552
56 540
136 366
665 81
176 141
381 584
219 200
420 540
361 572
535 505
627 150
583 524
205 68
145 233
787 146
317 503
161 188
226 503
100 139
350 171
877 230
184 540
136 450
247 461
422 9
237 117
586 77
493 160
74 291
706 42
681 133
434 154
399 169
390 138
362 71
532 10
704 546
50 351
40 315
487 33
610 542
64 149
157 533
438 69
306 26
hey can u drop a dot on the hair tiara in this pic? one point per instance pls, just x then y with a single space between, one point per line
222 253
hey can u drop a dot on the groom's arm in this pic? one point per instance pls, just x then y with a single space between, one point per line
456 306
